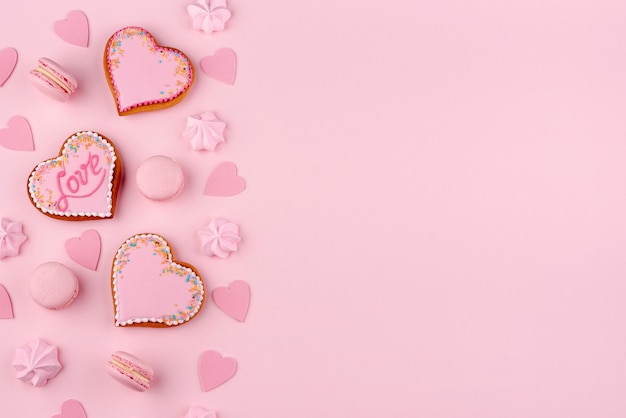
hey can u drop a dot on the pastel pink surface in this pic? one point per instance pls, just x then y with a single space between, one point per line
234 300
74 29
71 409
436 227
148 284
143 72
222 66
8 61
215 370
85 250
17 135
79 180
6 307
224 181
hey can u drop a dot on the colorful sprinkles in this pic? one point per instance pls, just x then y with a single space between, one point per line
46 199
115 55
160 249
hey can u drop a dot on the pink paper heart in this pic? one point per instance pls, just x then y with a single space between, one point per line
71 409
222 66
74 29
224 181
8 61
215 370
6 308
142 74
17 135
150 288
85 250
234 300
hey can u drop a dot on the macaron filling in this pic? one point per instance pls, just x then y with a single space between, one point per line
54 78
130 371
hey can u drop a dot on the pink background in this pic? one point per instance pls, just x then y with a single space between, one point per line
434 224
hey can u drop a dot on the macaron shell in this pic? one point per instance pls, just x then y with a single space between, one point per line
159 178
124 379
47 87
53 285
124 376
60 72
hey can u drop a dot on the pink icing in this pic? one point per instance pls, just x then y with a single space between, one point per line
143 73
149 287
79 182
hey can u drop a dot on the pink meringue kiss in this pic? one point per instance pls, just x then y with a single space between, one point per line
219 238
204 131
11 238
199 412
36 362
209 16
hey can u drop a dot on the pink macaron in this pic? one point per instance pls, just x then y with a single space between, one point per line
159 178
130 371
53 80
53 285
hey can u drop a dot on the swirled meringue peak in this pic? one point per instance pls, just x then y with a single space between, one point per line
11 238
199 412
205 131
219 238
36 362
209 15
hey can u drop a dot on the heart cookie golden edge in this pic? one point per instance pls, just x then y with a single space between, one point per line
148 106
115 182
154 322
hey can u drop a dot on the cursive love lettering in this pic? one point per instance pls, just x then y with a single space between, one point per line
73 186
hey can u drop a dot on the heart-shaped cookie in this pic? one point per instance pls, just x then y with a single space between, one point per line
81 183
150 288
142 75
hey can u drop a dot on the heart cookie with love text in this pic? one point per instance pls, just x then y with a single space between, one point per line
149 288
81 183
143 75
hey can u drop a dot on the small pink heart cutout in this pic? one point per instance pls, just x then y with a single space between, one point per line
17 135
222 66
8 61
85 250
234 300
215 370
74 29
224 181
71 409
6 308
